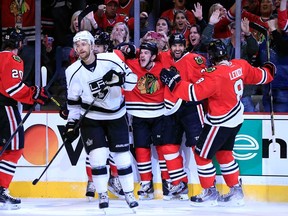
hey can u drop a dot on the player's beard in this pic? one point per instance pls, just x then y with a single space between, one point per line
84 56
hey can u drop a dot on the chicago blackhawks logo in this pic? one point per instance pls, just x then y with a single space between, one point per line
148 84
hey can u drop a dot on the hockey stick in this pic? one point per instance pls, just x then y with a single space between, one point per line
20 125
84 13
264 31
35 181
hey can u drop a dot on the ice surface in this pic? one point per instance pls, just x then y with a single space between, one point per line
71 207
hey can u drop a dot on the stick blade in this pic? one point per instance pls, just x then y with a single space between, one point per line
44 75
35 181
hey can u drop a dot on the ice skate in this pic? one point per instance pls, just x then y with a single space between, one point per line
103 201
235 197
90 190
7 201
179 192
131 201
208 197
146 191
166 185
114 186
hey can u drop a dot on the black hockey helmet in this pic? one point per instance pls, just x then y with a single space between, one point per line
177 38
217 51
150 46
103 38
13 37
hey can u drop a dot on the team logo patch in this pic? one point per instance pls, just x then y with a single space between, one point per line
148 84
199 60
210 69
16 58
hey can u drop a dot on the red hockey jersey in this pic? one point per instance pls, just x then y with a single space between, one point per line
283 20
146 100
189 66
11 85
223 86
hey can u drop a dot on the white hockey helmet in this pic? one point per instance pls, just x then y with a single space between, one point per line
83 35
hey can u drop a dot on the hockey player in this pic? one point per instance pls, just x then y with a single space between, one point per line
102 44
95 83
13 90
146 106
223 85
189 115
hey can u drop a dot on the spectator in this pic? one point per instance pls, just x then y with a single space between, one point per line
283 16
179 5
107 15
163 25
120 34
195 44
279 56
159 38
181 25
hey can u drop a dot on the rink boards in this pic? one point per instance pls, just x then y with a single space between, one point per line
263 165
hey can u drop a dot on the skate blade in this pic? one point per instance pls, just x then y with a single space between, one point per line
211 203
232 203
134 210
9 206
146 197
90 199
182 197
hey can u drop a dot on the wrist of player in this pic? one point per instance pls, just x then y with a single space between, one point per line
40 95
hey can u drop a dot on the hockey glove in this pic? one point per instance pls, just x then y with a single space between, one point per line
271 67
40 95
128 50
71 131
170 78
113 78
63 112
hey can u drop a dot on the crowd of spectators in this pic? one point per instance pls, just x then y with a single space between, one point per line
199 21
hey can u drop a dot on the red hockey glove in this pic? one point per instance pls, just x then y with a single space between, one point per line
40 95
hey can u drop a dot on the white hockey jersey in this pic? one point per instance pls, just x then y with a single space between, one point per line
84 88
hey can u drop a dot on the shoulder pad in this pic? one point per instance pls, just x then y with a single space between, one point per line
210 69
199 60
16 58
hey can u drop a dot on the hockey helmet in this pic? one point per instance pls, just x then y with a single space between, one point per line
13 37
177 38
83 35
217 51
102 39
150 46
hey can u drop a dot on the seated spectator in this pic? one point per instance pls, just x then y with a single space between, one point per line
179 5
